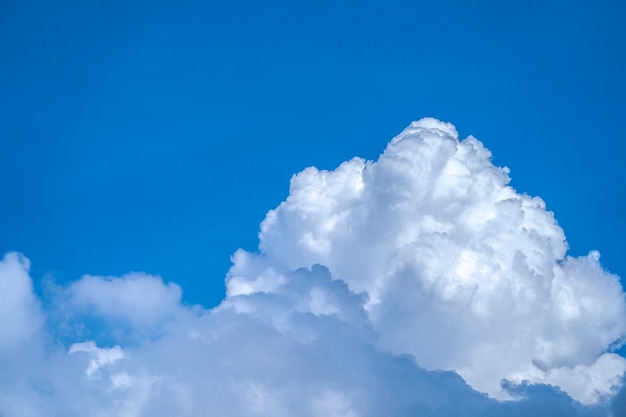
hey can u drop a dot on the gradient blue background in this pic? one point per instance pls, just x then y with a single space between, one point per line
154 136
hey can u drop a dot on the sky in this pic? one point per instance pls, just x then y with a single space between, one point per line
149 153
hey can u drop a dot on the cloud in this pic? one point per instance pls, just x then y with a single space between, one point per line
142 299
405 286
128 308
20 317
450 254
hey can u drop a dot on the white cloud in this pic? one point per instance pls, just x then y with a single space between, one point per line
20 316
366 275
450 254
100 357
141 299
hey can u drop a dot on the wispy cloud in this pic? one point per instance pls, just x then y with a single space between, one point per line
417 284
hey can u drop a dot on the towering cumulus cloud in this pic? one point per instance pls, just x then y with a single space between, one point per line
420 284
460 270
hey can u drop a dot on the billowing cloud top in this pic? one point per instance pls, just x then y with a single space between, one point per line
461 271
375 286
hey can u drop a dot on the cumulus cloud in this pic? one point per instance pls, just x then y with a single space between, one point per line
128 308
139 298
411 285
462 272
20 316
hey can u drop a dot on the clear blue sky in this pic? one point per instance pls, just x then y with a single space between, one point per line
154 136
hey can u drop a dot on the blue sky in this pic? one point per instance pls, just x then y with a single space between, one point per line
155 136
